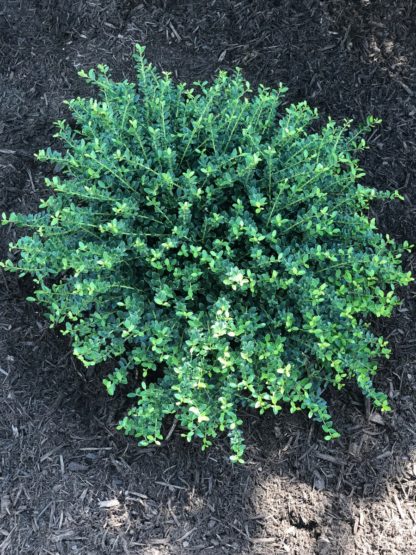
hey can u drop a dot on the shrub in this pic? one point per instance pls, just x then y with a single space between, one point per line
219 252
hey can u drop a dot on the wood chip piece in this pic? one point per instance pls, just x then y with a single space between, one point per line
399 507
376 418
4 504
318 482
263 540
62 535
77 467
109 504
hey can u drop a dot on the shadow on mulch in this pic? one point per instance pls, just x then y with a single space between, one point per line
60 454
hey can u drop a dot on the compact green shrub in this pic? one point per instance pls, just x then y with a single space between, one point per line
219 251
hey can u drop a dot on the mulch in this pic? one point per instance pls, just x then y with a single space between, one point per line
69 482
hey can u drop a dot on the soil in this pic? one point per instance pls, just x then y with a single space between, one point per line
69 482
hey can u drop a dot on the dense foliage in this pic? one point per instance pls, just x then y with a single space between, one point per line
219 252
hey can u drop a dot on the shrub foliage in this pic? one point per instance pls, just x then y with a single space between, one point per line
218 250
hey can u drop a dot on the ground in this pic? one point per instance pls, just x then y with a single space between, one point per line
69 482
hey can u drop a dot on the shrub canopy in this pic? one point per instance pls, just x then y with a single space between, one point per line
219 251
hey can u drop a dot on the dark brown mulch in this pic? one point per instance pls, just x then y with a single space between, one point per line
69 483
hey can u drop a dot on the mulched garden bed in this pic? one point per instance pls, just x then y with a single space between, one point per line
69 482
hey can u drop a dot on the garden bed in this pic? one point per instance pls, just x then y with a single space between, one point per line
69 483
